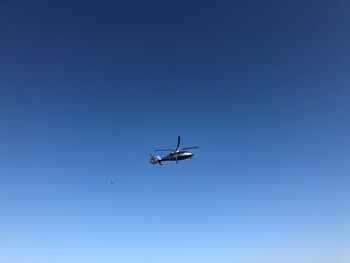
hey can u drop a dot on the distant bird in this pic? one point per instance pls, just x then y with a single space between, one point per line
112 182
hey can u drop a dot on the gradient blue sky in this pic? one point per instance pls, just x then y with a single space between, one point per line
89 88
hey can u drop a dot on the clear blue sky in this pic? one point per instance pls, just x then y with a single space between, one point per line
89 88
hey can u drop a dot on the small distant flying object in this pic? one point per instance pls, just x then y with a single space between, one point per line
174 155
112 182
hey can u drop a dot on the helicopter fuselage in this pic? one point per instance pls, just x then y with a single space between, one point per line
177 156
173 156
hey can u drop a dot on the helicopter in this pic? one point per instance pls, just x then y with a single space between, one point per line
175 154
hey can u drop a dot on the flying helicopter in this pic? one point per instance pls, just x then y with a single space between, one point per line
174 155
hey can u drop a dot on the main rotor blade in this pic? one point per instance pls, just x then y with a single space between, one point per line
160 150
187 148
178 142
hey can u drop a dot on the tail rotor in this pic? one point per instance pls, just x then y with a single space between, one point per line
154 159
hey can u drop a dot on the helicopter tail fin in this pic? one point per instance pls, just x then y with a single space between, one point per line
154 159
